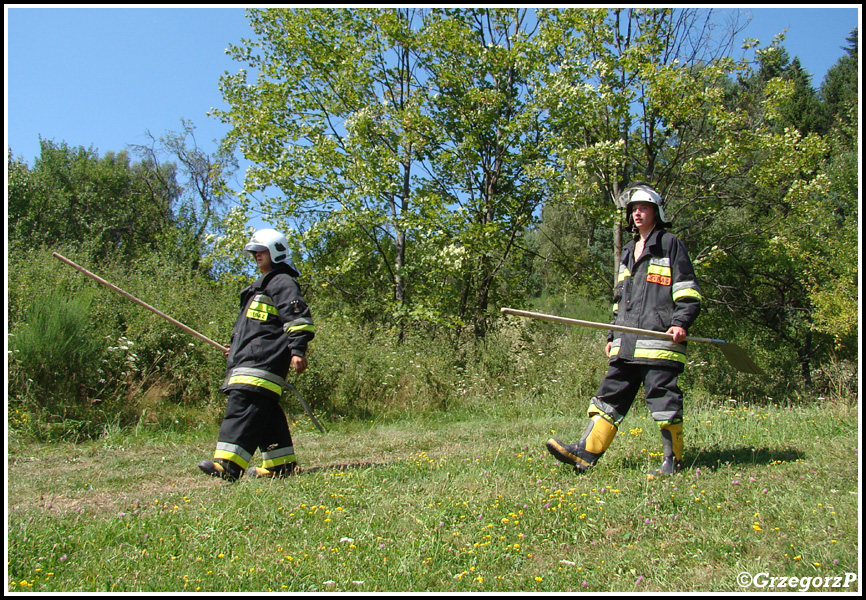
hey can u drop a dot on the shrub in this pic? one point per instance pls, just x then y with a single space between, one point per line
56 351
85 358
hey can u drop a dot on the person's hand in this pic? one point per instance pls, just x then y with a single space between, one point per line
607 349
679 334
299 364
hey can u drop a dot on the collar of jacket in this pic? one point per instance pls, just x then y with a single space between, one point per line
654 240
277 268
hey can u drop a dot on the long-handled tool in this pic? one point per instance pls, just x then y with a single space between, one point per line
190 330
735 355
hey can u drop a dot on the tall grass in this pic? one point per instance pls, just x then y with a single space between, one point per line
54 347
364 372
53 360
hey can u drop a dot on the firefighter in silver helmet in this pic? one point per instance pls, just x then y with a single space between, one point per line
270 337
656 289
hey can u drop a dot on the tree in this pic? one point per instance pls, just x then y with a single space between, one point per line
414 150
629 96
333 123
201 197
763 174
804 111
114 208
839 90
828 250
385 129
487 157
647 94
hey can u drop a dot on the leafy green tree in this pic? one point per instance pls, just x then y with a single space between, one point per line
630 96
762 173
572 252
114 208
400 141
795 273
334 123
830 252
640 94
825 235
488 153
413 150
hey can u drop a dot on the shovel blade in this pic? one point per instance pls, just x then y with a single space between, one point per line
738 358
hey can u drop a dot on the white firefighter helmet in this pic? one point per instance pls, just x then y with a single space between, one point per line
277 246
643 192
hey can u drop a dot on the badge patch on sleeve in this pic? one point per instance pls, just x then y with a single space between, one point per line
260 308
258 315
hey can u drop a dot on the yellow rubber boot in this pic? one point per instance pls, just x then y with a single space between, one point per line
285 470
584 454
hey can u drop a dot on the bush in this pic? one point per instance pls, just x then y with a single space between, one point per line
54 367
56 350
362 372
521 368
85 358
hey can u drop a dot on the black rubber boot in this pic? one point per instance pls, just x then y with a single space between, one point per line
672 444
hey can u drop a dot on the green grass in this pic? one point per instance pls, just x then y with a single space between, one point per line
448 506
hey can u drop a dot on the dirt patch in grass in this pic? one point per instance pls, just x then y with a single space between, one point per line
97 480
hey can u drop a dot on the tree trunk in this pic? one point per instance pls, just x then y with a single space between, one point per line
804 354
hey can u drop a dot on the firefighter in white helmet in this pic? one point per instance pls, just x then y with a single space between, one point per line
270 337
656 289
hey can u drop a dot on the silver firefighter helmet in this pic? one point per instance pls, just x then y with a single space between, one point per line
277 246
639 191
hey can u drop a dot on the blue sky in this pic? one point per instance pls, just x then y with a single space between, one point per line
104 76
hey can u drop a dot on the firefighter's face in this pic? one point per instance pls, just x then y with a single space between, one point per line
263 261
644 215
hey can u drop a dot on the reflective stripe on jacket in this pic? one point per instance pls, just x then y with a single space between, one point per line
274 323
657 292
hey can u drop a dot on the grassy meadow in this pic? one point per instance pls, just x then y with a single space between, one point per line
439 503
